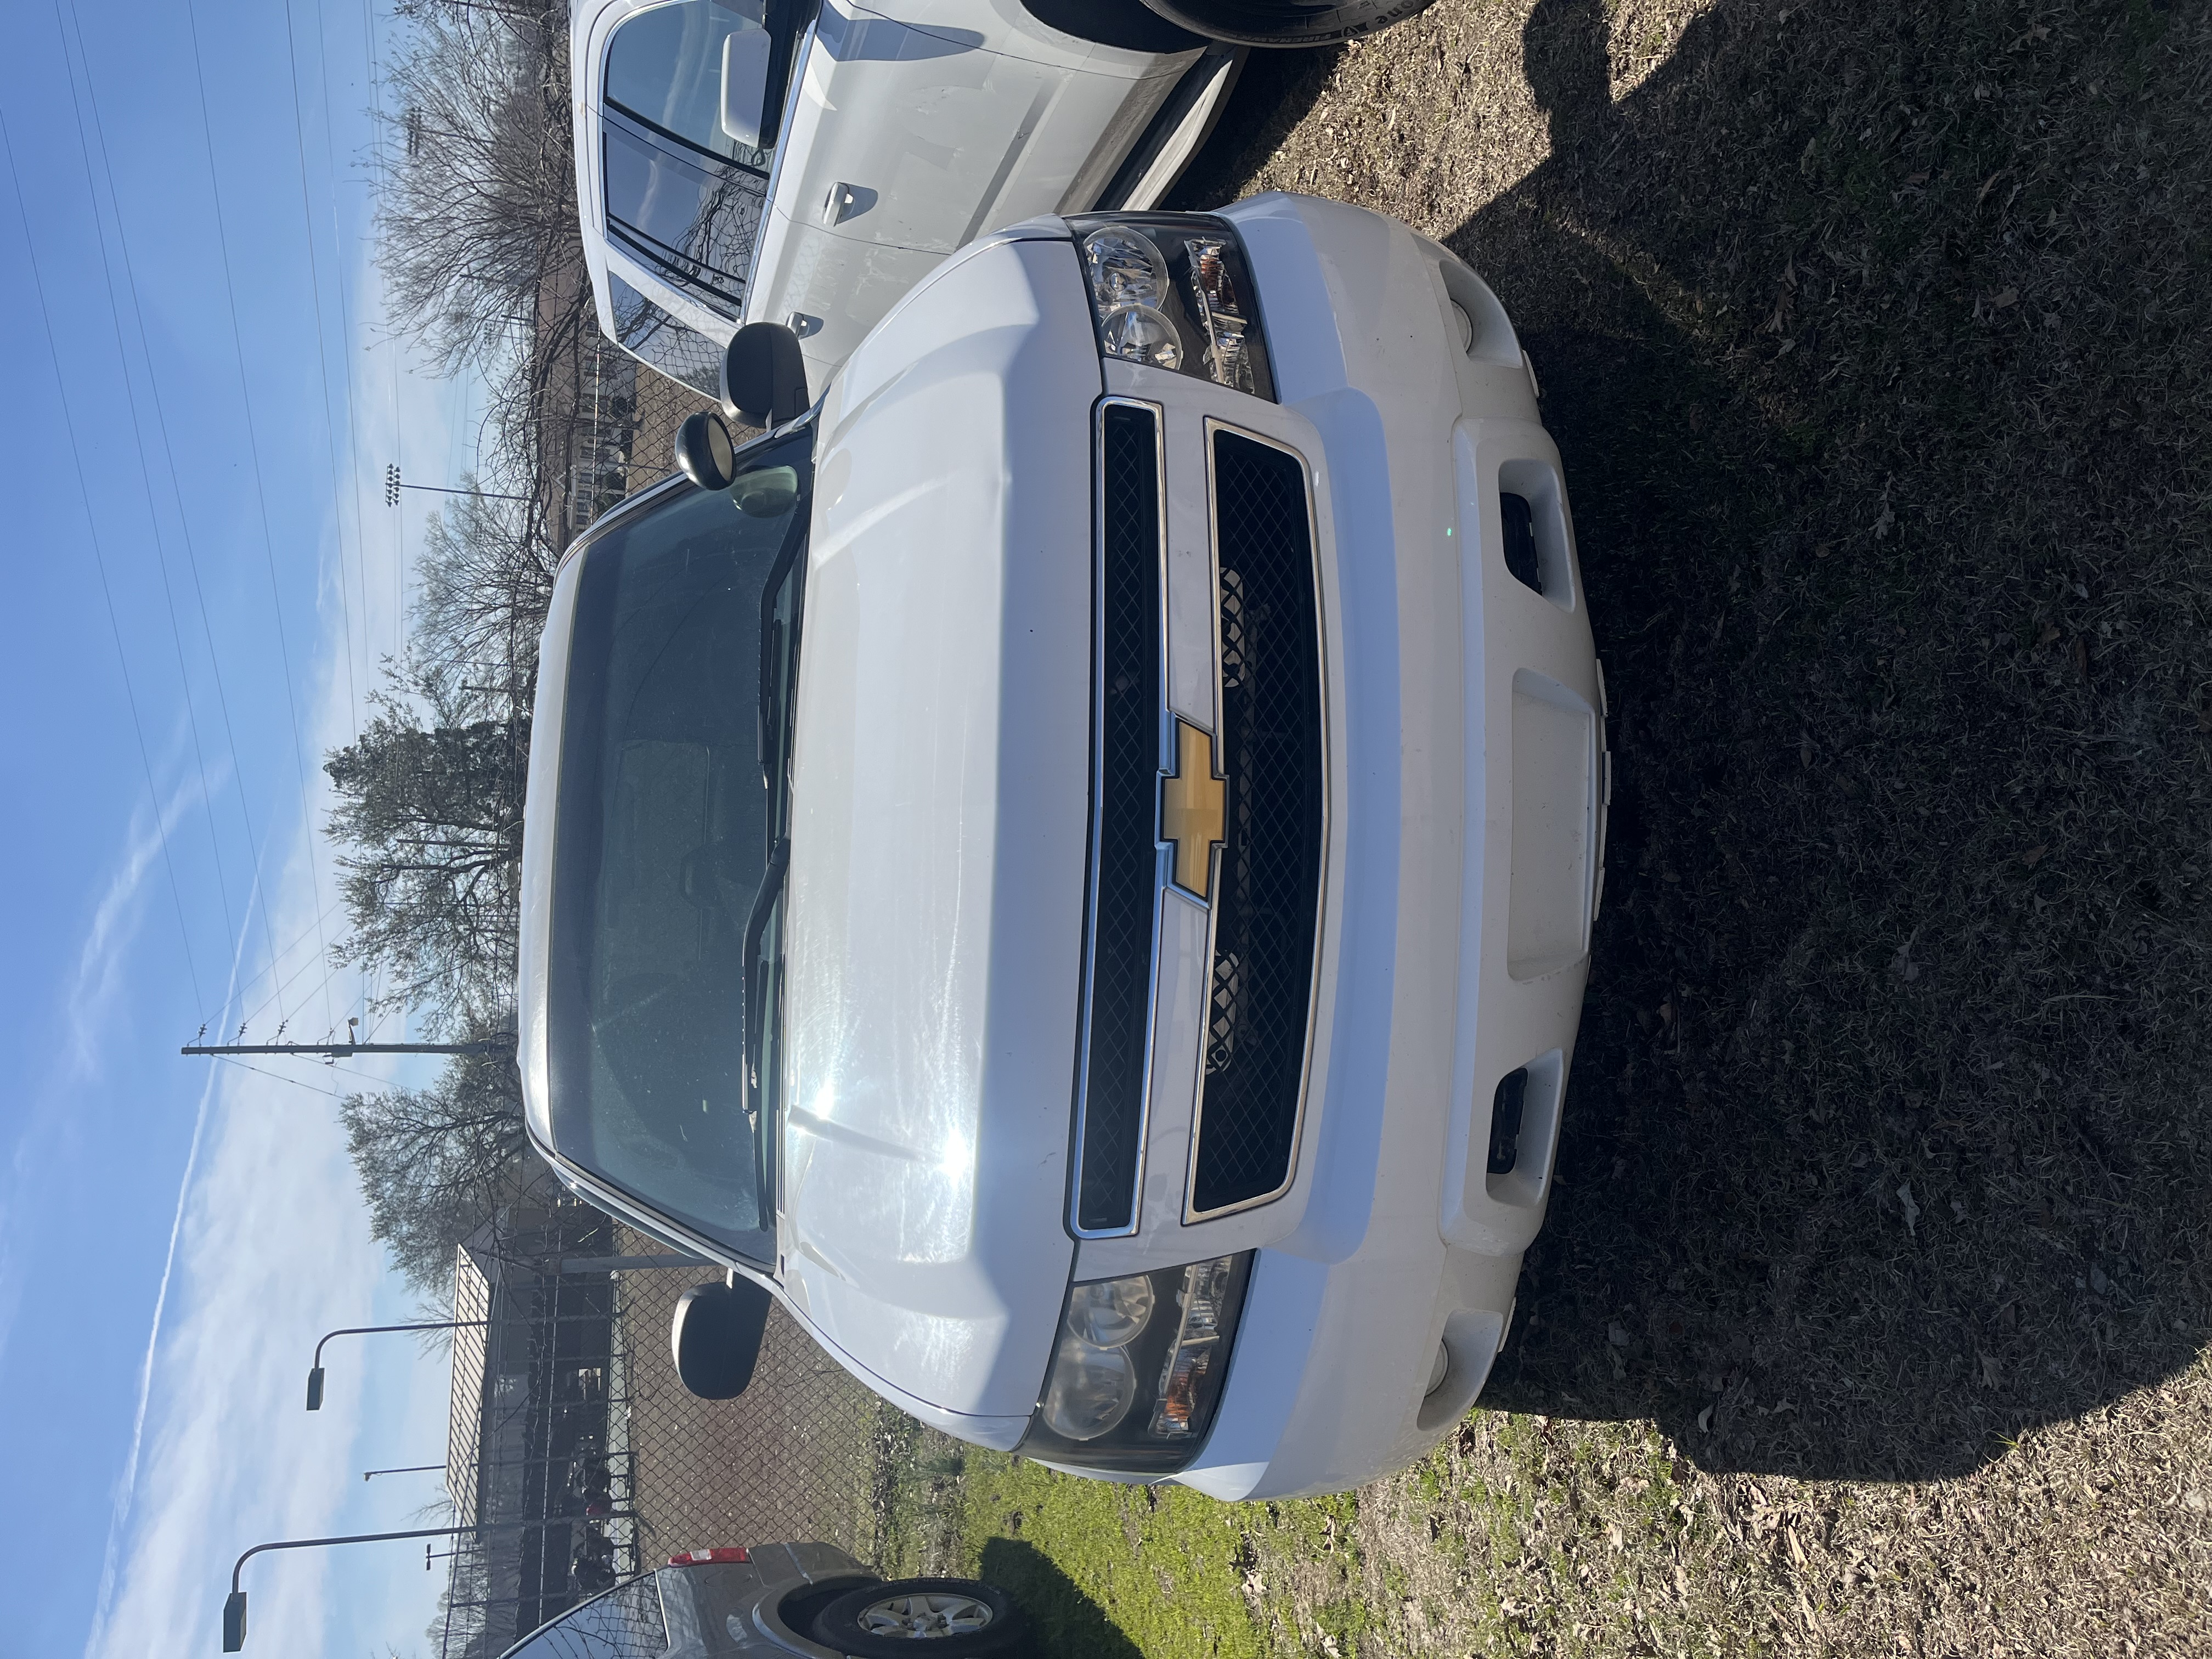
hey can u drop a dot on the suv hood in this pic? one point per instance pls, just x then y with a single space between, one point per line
940 805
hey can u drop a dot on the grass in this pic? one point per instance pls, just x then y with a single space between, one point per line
1871 1315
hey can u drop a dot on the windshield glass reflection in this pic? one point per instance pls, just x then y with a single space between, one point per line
667 826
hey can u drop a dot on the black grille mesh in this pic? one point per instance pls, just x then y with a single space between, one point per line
1123 895
1271 755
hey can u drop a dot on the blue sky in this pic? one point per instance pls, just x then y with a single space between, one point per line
202 579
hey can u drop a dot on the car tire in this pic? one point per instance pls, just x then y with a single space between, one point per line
1286 22
975 1619
1125 24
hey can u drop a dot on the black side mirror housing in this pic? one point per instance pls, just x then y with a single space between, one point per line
765 376
705 453
715 1336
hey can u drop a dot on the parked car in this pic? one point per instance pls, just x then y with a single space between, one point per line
812 1600
742 161
1069 862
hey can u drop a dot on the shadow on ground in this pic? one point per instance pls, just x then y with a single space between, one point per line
1873 339
1063 1622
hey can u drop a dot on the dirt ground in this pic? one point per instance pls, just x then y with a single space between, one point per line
1871 1312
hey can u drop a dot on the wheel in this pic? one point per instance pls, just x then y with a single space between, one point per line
954 1617
1286 23
1123 23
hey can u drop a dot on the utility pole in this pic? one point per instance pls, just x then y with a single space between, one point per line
497 1045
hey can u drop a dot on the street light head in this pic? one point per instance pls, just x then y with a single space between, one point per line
234 1621
315 1389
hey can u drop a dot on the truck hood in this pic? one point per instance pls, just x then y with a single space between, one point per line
933 942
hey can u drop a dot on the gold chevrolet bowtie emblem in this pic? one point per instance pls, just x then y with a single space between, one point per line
1191 810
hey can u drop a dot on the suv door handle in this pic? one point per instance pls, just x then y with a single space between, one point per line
846 202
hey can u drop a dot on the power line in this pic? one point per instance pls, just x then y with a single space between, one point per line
100 557
253 450
278 1077
176 489
322 360
145 472
345 327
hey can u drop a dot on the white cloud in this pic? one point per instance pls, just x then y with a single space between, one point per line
96 997
270 1249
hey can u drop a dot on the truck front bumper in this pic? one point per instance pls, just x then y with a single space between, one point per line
1468 801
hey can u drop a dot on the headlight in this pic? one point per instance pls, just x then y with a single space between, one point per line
1138 1367
1173 291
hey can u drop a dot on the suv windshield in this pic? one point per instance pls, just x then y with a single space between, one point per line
672 804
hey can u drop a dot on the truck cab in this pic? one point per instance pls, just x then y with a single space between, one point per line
807 164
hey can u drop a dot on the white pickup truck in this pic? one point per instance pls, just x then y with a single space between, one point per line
1070 861
807 161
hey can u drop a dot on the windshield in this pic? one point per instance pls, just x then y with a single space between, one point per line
666 942
625 1623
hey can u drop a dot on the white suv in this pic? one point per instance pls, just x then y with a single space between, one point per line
1070 862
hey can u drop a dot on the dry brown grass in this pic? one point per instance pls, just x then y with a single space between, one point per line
1876 338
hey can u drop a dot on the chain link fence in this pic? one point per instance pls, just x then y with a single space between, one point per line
579 1455
609 431
800 1455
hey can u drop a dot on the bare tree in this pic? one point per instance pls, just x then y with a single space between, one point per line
486 576
478 217
435 1163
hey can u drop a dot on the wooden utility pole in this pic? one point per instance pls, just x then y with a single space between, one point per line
497 1045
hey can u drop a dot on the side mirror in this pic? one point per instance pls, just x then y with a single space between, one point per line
716 1336
705 453
745 54
765 376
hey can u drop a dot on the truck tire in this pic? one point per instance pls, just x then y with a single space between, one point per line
1127 24
904 1618
1286 23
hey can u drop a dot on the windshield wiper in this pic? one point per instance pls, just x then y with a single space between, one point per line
754 990
772 683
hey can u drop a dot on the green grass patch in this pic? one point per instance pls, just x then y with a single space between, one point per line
1106 1571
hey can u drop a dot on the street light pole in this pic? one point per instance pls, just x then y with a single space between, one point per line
392 487
315 1375
412 1468
233 1607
